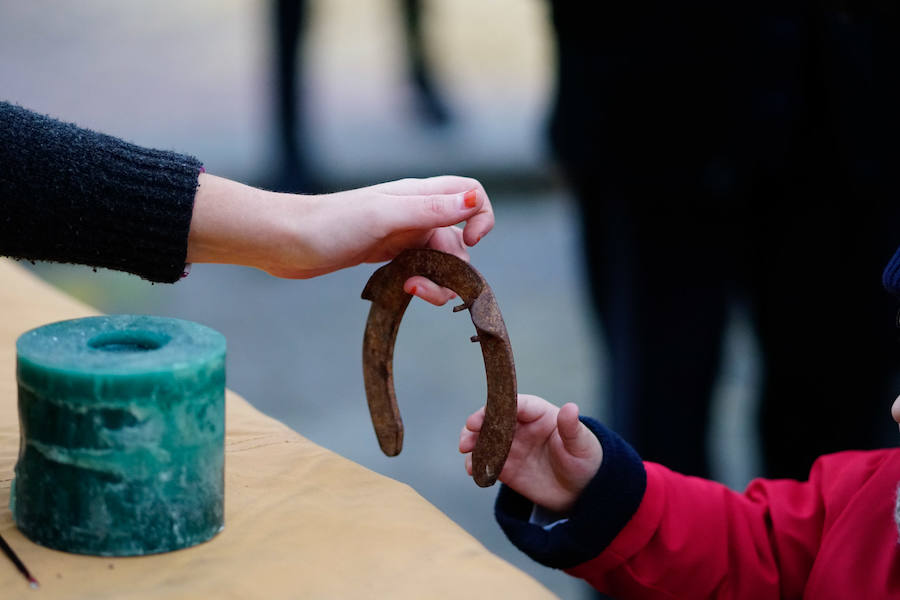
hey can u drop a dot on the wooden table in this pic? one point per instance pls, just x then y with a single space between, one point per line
300 521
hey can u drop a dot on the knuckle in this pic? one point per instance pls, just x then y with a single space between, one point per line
434 204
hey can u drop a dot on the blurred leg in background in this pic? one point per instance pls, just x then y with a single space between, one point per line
290 18
432 109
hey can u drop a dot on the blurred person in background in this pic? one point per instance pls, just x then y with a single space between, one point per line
722 151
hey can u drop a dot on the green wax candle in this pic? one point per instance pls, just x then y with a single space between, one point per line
122 435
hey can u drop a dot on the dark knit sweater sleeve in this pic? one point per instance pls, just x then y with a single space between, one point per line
603 509
72 195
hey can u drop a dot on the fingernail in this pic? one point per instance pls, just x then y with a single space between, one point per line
470 199
412 291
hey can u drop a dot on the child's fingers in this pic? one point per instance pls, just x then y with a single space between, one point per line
531 408
469 464
567 420
475 420
467 440
577 439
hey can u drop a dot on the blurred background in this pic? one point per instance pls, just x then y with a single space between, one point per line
385 89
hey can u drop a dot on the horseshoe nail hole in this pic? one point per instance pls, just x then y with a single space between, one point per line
128 341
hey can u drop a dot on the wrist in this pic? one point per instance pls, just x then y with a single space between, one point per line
233 223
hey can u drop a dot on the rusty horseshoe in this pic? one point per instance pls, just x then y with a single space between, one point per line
389 302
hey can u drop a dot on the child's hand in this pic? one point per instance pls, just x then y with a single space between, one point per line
553 455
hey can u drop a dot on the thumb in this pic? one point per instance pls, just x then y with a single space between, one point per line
429 211
576 438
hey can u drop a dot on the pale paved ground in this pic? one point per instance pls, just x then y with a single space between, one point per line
194 77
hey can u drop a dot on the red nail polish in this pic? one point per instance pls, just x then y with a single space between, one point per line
470 199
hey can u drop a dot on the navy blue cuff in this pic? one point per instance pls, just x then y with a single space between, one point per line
891 276
604 508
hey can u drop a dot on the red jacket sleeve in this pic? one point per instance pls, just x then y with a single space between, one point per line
694 538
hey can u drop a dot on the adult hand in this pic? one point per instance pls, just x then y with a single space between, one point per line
300 237
553 455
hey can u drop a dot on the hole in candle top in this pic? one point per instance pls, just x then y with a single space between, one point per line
128 341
